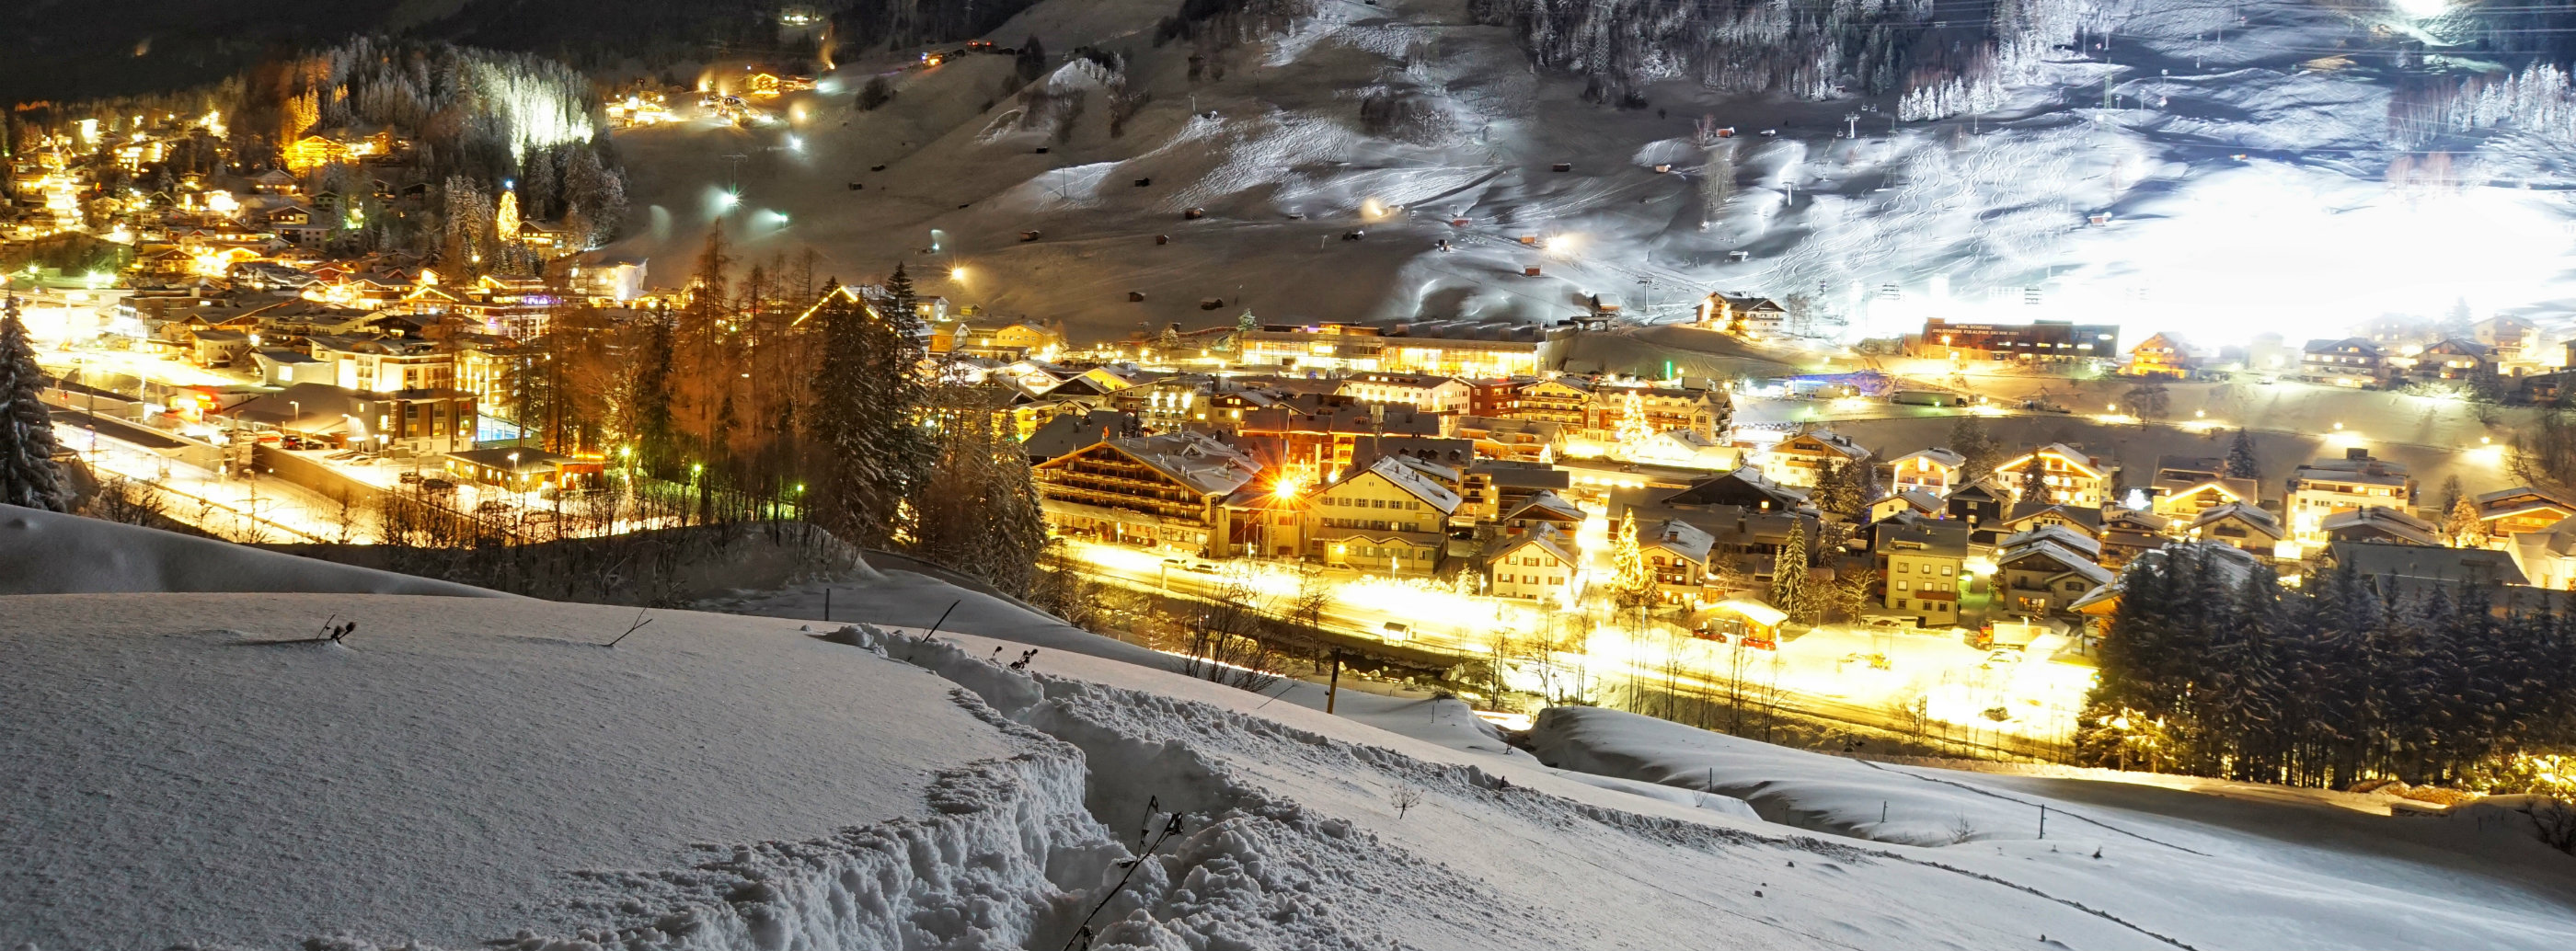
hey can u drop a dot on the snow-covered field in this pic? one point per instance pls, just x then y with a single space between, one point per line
2242 185
192 768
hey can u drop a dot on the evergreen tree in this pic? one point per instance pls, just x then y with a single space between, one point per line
867 397
2241 463
1968 438
899 294
648 396
2463 526
1631 584
1789 573
2034 481
978 509
1842 492
28 474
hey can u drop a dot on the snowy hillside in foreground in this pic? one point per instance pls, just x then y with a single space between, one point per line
50 553
2239 165
191 768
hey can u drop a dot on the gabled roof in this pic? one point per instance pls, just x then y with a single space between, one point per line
1935 454
2073 456
2232 565
2136 518
2385 521
1434 495
1750 303
2070 561
2088 517
2058 534
1830 440
1678 537
2219 486
1069 432
2251 516
1916 500
1546 504
1194 461
2506 503
1546 537
1736 488
1987 489
2164 340
1434 471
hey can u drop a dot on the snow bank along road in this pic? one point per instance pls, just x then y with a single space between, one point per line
465 771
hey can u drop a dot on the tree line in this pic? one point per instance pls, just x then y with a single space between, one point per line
2213 667
769 384
1812 49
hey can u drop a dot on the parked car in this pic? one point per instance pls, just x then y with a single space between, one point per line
492 507
1759 643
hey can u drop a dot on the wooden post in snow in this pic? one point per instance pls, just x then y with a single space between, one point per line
1333 685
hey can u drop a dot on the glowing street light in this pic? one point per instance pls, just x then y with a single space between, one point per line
957 273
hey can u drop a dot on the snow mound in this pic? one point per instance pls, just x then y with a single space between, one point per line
51 553
458 770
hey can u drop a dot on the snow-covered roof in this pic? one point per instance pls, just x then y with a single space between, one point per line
1936 455
2069 454
1755 611
1414 482
2067 559
1545 504
1200 463
2088 517
1677 537
1545 537
1920 500
2059 534
2255 517
2384 520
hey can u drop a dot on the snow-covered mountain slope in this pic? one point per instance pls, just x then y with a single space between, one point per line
50 553
2237 159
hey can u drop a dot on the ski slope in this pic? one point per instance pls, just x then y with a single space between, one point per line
2211 172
